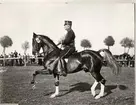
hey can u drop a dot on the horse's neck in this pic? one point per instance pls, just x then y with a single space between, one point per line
49 47
50 44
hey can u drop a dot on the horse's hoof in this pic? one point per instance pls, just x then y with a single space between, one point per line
33 87
94 94
32 82
98 97
53 95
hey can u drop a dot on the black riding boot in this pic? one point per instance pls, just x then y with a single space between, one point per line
62 68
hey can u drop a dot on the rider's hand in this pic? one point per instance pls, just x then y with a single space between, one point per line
61 39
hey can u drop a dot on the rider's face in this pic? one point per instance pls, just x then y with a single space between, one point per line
66 27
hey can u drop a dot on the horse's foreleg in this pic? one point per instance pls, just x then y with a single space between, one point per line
34 76
56 87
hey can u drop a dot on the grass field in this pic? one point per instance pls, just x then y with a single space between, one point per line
15 87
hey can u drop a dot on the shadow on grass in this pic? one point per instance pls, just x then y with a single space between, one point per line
82 87
122 87
109 88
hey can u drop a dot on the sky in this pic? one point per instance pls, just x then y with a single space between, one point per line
92 21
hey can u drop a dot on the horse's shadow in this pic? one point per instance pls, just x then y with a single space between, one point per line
82 87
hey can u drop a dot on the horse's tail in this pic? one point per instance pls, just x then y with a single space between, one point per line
111 61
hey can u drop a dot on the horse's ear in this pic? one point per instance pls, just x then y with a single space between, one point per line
34 35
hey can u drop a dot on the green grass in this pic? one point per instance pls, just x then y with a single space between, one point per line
15 87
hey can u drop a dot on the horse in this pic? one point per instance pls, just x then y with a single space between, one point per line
86 60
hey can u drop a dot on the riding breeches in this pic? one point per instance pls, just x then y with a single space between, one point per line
66 52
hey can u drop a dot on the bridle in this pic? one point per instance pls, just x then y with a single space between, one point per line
45 53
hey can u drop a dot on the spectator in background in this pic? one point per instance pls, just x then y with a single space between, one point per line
25 59
1 61
16 55
33 59
28 58
1 56
20 59
132 62
12 60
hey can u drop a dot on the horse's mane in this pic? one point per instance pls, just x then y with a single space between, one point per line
50 41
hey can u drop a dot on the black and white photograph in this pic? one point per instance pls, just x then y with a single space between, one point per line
67 52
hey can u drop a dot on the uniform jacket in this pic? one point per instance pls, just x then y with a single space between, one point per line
69 39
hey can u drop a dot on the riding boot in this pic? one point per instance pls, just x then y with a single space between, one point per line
62 68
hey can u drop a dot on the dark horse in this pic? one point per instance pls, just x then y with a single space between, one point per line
87 60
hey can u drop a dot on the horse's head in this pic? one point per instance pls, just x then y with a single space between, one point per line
44 42
36 44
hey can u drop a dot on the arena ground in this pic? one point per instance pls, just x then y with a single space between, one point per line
15 87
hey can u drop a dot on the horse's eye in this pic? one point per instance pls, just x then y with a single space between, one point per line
38 40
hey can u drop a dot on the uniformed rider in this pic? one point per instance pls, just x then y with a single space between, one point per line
68 46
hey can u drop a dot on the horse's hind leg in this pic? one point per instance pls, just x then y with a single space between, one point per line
93 88
101 94
98 79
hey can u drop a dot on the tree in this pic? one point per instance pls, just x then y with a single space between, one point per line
85 43
109 41
5 42
127 43
130 44
124 42
25 47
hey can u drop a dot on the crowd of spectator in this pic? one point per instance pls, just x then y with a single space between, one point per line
126 60
16 59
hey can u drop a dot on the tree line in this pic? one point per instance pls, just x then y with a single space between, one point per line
109 41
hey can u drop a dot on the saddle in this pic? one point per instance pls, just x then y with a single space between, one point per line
60 63
66 59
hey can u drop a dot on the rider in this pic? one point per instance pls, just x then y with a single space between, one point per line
68 45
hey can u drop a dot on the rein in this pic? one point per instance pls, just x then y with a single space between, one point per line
47 43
